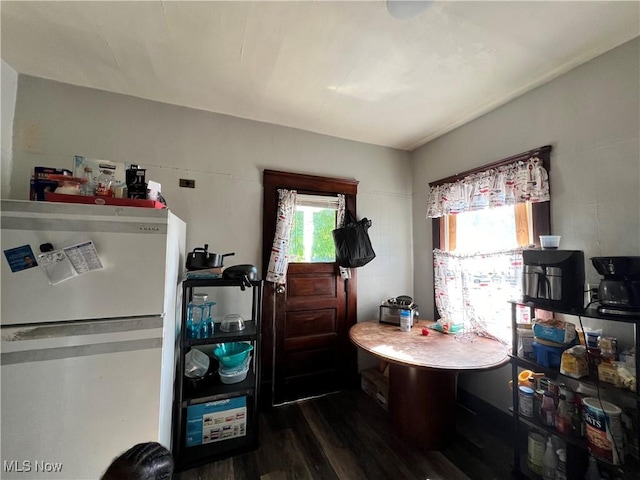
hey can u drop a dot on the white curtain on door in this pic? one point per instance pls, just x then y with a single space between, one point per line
279 259
344 272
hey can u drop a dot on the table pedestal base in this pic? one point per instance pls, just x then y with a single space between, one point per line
422 405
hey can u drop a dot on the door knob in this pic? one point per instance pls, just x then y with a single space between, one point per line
280 289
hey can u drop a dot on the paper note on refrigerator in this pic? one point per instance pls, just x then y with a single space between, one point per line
83 257
57 266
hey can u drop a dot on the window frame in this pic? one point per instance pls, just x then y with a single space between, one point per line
523 224
335 225
538 224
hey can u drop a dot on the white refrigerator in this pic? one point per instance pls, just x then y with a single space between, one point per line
88 335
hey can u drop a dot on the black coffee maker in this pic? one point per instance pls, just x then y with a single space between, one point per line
619 290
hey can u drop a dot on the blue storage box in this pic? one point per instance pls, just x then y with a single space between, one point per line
548 356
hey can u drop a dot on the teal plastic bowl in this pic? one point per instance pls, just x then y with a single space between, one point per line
232 354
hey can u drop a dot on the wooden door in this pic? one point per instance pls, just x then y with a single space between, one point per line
310 323
306 322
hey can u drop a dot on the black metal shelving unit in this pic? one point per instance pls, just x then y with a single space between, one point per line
575 445
216 392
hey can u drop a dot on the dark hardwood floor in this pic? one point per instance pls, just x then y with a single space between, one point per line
347 436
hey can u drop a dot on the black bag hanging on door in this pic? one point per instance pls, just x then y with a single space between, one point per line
353 246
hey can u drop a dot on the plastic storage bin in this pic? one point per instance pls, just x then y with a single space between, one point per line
235 374
547 356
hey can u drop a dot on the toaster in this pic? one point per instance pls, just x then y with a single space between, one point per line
391 307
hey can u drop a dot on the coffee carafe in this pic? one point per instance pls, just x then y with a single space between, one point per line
619 290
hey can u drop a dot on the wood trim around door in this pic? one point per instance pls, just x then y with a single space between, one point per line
306 184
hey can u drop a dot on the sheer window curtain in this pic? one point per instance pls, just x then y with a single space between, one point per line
472 290
279 259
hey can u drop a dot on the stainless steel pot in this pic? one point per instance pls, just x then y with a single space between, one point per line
200 258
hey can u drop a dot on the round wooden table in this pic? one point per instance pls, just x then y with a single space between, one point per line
422 374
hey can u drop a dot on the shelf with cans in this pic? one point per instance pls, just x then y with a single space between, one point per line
589 404
215 411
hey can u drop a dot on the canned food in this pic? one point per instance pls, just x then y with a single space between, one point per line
526 401
604 429
544 384
535 452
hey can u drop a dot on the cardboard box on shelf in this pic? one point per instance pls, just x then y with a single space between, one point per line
47 172
44 180
553 330
376 385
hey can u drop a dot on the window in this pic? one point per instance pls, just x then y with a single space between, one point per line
311 232
477 256
486 271
487 230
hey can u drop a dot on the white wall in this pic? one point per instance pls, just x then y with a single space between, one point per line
591 118
226 156
9 86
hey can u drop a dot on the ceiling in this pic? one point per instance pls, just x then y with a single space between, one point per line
346 68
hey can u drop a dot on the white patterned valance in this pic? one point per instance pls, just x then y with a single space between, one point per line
522 181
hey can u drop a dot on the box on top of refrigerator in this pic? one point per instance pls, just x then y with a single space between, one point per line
92 168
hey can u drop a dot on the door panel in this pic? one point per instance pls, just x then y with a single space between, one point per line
309 342
305 364
298 324
307 320
313 285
